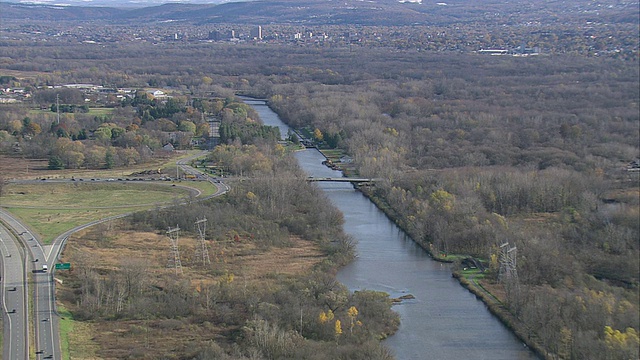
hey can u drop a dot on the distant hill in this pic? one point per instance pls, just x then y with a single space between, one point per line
332 12
315 12
51 12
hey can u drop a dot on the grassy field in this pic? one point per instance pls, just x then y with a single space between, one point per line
88 195
205 187
473 274
92 112
52 208
51 223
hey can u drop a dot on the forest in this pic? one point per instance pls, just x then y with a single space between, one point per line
474 151
536 154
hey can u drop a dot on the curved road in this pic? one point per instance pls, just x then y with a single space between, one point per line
15 272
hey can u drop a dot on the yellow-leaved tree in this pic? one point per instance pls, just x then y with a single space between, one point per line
317 134
623 345
353 314
325 317
338 329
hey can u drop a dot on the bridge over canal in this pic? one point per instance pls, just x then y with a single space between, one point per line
343 179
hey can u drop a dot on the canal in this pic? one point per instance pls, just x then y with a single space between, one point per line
444 321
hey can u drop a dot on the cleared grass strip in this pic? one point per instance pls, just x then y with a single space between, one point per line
75 337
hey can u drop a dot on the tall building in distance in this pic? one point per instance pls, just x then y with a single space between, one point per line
256 33
222 35
214 35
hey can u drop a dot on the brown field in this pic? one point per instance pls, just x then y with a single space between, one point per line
18 168
29 169
629 196
20 74
106 249
241 258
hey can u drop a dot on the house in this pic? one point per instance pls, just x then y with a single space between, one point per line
158 94
168 147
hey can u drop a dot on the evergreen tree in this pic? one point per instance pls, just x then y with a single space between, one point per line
55 163
109 160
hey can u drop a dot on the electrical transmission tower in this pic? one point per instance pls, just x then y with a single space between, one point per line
508 274
508 270
58 108
202 251
174 257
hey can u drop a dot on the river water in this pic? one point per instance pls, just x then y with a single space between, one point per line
444 321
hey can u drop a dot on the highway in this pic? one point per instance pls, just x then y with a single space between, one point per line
14 298
45 323
15 272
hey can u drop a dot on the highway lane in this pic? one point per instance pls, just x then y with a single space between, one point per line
14 294
45 323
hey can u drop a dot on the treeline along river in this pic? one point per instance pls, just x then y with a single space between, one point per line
444 321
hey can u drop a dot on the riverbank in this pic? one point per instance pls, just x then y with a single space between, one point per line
494 303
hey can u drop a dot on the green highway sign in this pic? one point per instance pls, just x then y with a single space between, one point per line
63 266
